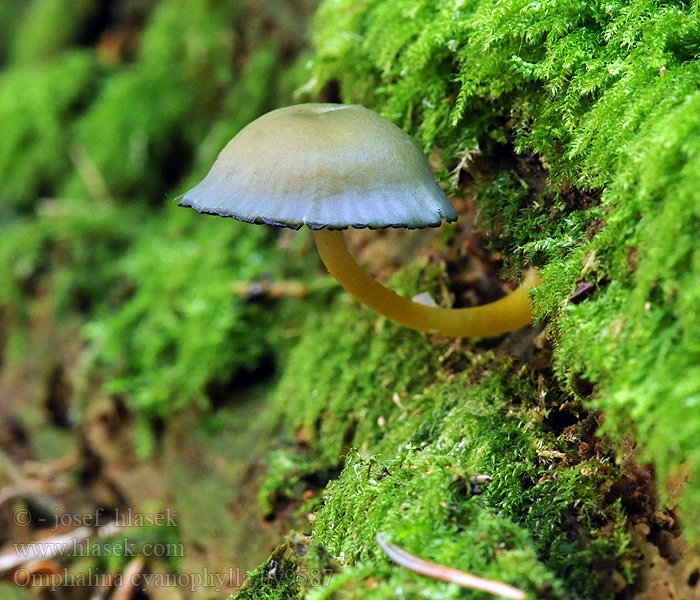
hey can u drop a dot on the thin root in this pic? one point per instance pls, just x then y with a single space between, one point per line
449 574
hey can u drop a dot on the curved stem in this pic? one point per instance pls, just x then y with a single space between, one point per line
507 314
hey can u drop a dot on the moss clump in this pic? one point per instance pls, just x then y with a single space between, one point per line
316 395
103 144
169 105
47 27
182 326
37 106
164 324
579 122
294 566
70 249
424 418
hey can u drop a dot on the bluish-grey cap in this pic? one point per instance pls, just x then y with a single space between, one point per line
323 165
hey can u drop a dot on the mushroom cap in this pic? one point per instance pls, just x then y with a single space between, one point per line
323 165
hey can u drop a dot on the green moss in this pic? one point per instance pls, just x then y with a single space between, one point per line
49 26
295 566
199 75
150 114
581 125
11 12
577 124
588 115
37 105
13 592
183 326
196 71
423 418
164 323
316 396
69 248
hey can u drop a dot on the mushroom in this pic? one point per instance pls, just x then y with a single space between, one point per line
334 166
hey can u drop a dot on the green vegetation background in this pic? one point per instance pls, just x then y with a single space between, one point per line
98 138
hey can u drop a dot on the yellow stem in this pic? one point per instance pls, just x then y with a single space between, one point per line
507 314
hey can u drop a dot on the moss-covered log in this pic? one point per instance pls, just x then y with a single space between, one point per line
575 129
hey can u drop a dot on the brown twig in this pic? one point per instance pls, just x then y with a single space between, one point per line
49 548
52 547
449 574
